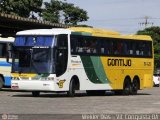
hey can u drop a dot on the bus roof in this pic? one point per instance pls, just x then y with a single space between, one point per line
8 39
83 31
108 33
94 31
53 31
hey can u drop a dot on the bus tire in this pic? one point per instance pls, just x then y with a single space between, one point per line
1 82
135 86
35 93
72 88
127 87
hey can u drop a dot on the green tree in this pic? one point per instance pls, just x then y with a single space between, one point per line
52 11
23 8
73 15
57 11
154 32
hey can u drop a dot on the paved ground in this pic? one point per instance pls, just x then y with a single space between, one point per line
147 102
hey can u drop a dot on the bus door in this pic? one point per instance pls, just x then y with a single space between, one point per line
61 54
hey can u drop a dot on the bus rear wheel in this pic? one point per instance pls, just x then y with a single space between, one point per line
1 82
35 93
72 88
135 87
127 87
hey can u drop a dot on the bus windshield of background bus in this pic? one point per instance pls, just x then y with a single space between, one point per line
33 55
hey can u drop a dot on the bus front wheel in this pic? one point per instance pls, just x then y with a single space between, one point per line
72 88
35 93
1 82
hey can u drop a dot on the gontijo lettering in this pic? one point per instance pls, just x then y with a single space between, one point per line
119 62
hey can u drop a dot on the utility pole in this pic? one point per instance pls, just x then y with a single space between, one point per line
146 23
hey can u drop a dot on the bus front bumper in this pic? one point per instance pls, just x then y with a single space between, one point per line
30 85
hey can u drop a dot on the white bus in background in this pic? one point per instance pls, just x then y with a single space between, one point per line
5 68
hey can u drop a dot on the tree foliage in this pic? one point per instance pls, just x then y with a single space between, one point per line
55 11
73 15
22 8
52 11
58 11
154 32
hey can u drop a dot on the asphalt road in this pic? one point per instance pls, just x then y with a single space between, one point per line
63 107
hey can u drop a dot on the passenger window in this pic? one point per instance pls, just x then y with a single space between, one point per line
89 45
3 49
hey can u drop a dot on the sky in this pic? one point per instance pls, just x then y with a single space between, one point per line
124 16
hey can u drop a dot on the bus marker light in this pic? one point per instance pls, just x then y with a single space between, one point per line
15 87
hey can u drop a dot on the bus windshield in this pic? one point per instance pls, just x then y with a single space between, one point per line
35 56
34 41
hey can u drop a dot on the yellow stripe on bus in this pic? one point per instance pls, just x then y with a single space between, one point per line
22 75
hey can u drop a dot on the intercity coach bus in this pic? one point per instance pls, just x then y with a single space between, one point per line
79 58
5 68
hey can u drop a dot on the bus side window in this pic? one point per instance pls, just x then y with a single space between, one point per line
73 45
3 50
119 47
115 47
93 46
107 47
148 49
125 48
102 47
76 44
131 47
142 48
137 50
